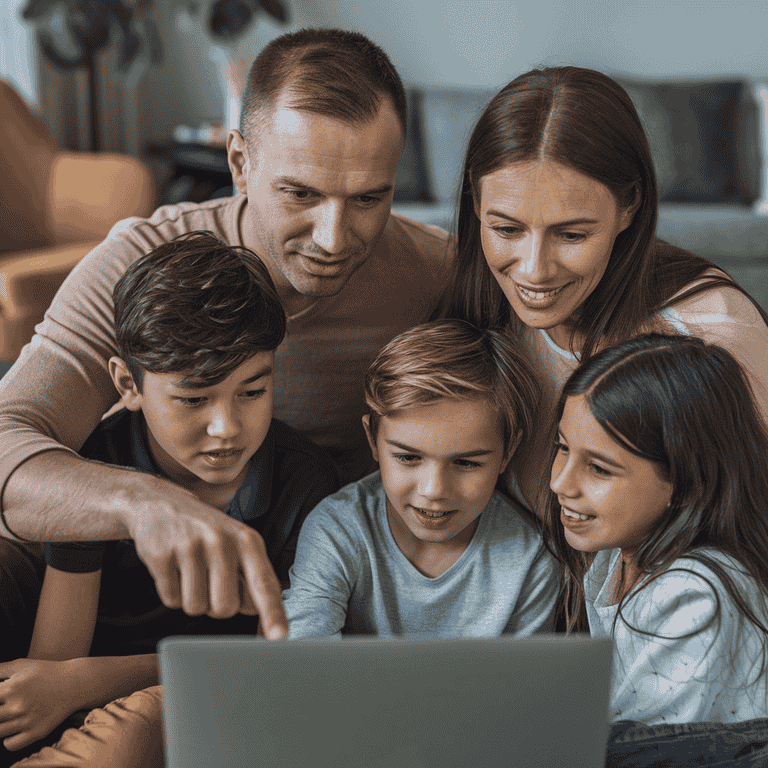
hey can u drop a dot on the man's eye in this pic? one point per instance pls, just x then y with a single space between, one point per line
368 200
299 194
406 458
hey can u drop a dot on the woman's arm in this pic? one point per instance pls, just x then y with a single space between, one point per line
66 615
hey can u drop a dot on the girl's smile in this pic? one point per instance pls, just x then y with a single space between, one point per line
609 497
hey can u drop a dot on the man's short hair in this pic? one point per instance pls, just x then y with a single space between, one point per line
330 72
195 305
453 359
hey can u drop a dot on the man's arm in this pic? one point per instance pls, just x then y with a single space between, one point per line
194 552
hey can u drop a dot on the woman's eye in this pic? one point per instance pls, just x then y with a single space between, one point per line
406 458
467 464
507 231
561 447
598 470
572 237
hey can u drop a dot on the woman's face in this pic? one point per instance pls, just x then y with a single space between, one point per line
609 497
547 233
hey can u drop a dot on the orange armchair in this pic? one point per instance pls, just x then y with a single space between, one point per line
55 206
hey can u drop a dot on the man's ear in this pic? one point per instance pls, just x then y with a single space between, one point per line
371 441
237 156
124 383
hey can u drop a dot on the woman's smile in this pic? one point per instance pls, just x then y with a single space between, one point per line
547 233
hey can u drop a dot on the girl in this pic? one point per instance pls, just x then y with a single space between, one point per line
657 509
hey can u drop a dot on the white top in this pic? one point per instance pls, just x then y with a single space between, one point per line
708 676
722 316
349 574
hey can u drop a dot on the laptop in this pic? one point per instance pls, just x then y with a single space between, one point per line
235 702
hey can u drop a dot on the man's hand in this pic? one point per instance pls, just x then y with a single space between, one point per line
36 697
196 554
204 561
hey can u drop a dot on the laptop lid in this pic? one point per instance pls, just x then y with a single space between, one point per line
376 703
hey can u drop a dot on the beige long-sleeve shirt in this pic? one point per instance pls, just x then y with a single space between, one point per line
58 390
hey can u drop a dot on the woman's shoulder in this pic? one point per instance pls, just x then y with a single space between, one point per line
711 298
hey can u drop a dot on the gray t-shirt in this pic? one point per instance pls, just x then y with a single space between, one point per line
350 574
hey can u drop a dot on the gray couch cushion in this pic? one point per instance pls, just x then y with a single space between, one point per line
703 138
448 117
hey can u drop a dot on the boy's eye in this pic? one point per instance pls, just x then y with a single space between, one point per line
406 458
254 393
191 401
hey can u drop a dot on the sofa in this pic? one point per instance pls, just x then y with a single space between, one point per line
710 148
55 206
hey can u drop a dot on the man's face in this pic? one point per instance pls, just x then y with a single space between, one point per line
319 194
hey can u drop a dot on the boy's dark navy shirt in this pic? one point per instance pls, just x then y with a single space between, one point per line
288 476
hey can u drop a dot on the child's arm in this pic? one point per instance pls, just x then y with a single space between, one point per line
39 695
66 615
321 579
699 659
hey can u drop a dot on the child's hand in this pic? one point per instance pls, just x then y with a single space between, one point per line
36 697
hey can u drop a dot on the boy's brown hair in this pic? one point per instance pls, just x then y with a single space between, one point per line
454 359
195 305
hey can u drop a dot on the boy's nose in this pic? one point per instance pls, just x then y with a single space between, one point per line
433 483
223 424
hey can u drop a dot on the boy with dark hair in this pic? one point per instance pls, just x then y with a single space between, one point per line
197 323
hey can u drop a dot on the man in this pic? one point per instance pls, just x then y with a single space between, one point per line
321 135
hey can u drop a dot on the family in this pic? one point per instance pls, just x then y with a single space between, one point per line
336 420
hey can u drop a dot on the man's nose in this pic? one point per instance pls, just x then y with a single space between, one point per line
331 231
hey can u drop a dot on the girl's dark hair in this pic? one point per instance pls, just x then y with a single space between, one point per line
581 119
195 305
688 407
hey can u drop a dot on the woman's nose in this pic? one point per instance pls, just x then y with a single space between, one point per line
535 263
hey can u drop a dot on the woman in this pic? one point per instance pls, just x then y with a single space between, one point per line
556 241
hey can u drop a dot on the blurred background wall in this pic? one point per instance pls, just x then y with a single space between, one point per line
432 42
